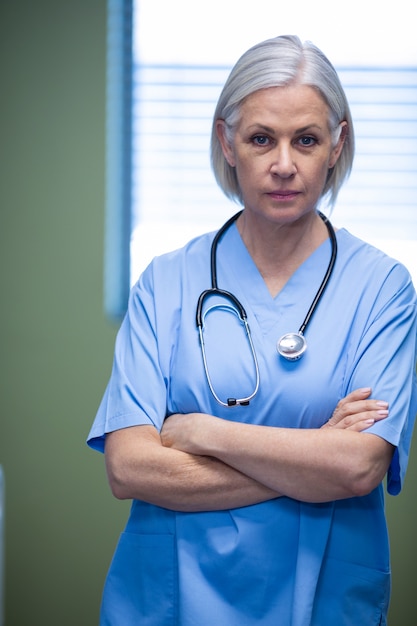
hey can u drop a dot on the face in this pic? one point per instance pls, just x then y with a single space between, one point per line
282 150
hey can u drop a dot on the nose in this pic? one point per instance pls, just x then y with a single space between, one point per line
283 164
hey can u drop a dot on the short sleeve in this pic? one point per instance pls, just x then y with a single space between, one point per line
136 392
386 355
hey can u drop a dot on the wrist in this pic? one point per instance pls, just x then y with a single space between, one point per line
209 434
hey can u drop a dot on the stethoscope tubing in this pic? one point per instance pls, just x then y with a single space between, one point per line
327 275
289 354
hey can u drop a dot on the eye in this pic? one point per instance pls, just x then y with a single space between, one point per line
307 141
261 140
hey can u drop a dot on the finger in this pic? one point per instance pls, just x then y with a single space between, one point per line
357 394
343 407
348 407
359 421
361 425
361 406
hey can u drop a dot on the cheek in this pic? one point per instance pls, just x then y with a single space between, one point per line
253 166
314 177
249 175
320 169
243 166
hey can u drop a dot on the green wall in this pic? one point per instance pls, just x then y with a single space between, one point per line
56 344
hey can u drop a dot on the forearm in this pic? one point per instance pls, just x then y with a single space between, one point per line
309 465
139 467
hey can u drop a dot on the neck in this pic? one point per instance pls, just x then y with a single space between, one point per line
278 249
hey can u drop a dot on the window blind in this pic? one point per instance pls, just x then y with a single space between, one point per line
174 188
160 188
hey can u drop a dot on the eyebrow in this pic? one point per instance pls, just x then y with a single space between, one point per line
297 131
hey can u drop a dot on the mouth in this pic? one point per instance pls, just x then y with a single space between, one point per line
283 195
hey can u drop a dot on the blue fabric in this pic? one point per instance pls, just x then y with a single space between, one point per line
281 562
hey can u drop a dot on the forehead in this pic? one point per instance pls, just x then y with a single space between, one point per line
290 105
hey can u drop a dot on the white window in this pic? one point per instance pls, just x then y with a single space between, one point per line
182 53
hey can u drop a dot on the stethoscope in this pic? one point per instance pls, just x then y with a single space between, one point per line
290 346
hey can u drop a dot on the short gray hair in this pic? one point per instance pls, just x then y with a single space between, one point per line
275 63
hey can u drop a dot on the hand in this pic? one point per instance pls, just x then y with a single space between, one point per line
356 412
180 431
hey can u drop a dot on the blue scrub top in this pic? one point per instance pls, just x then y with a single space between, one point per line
282 562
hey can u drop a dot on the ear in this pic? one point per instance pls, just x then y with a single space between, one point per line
337 150
227 148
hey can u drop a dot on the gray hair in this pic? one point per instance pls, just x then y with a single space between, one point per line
279 62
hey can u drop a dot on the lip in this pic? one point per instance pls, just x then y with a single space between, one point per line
283 194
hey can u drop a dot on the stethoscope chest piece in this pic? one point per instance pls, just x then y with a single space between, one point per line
292 346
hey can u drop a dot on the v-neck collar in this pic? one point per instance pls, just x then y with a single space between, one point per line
242 277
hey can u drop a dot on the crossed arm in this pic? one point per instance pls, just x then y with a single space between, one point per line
199 462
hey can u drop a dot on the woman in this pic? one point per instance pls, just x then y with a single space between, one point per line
260 499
